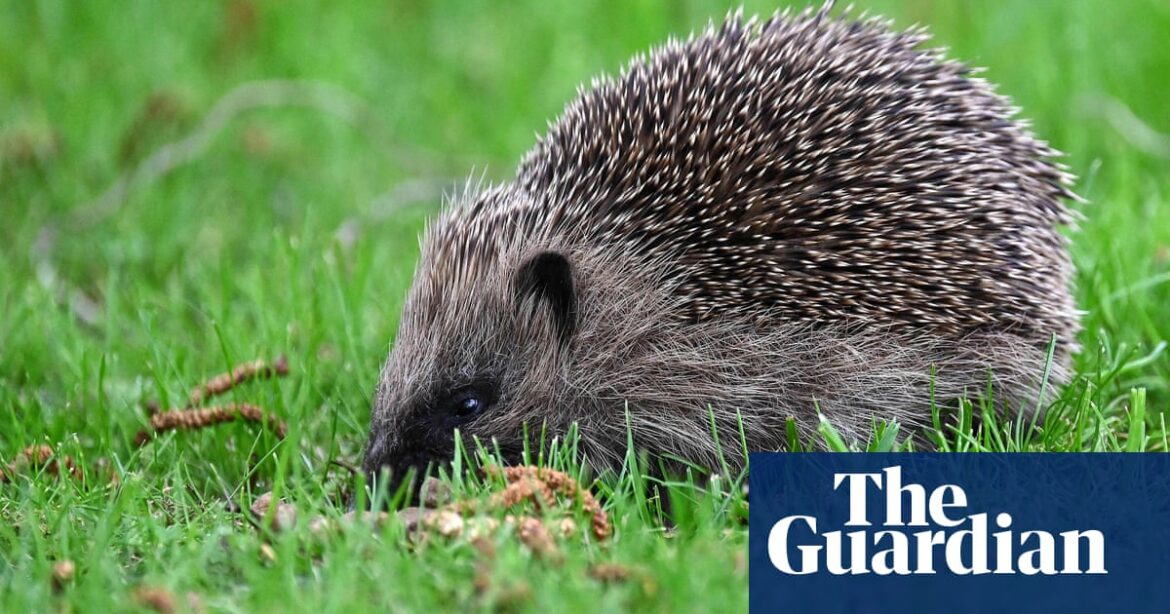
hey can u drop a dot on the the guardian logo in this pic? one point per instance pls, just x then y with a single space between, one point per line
925 532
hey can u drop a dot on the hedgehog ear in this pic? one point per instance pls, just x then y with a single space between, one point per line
547 277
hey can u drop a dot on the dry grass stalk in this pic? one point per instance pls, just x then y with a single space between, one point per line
202 417
257 369
37 457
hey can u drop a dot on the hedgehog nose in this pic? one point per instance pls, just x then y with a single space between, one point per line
388 466
376 453
384 483
377 461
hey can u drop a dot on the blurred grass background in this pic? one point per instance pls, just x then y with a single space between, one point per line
293 229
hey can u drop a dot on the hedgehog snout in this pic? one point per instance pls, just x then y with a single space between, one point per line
391 459
378 458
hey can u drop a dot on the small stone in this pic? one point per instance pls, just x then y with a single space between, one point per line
376 519
448 523
260 505
267 554
320 525
533 534
435 493
63 572
481 527
413 517
283 518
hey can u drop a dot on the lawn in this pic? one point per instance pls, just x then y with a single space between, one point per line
186 186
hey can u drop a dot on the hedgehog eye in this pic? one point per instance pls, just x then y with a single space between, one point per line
468 403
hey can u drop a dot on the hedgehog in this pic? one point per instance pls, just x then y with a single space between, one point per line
766 225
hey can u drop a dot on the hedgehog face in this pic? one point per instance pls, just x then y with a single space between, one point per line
478 352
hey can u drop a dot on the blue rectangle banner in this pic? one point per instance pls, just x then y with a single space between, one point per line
927 532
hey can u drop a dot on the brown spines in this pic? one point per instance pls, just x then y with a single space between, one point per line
827 170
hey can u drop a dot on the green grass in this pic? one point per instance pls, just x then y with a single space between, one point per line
294 231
